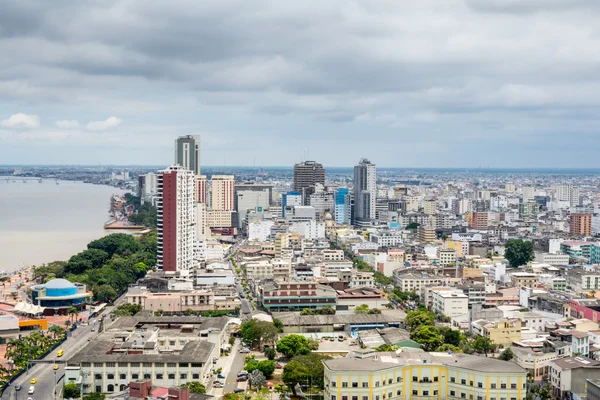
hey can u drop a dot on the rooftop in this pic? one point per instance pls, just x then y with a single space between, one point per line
576 362
383 361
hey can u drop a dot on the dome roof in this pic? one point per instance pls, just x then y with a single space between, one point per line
59 284
328 217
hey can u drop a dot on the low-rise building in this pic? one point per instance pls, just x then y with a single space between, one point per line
568 375
450 303
524 279
409 281
503 332
408 375
295 295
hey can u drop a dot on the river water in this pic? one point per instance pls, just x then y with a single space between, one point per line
44 222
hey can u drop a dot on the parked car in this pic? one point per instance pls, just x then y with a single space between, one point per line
242 379
221 376
242 373
218 383
278 366
31 389
18 387
332 339
244 350
239 390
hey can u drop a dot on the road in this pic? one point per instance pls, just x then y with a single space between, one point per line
45 373
236 366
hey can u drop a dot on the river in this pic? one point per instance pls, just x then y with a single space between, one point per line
44 222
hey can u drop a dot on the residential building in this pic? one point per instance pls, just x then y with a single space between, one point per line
579 280
446 257
409 375
568 376
450 303
187 153
222 193
175 224
201 189
503 332
528 193
553 259
475 292
306 175
290 199
577 250
289 296
479 220
524 279
580 224
536 360
425 234
387 238
300 213
365 192
593 389
333 255
412 281
568 193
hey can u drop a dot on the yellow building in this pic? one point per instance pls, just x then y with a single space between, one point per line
461 248
503 332
403 376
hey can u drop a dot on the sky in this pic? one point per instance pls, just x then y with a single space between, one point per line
428 83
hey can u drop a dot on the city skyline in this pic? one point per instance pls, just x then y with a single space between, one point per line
500 84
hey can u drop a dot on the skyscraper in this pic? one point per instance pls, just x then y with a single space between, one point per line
201 189
222 193
175 208
187 153
365 192
306 175
580 224
568 193
340 205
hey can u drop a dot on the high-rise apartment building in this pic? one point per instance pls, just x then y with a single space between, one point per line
222 193
290 199
365 192
568 193
175 225
479 220
581 224
187 153
528 193
306 175
201 189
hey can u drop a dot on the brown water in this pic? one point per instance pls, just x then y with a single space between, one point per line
44 222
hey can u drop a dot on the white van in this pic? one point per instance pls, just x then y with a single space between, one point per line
31 389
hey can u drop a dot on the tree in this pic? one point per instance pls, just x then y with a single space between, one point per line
382 279
231 340
71 390
386 348
290 345
267 367
279 325
94 396
361 309
449 347
451 336
104 293
302 369
313 344
195 387
413 226
257 379
518 252
428 337
116 243
506 355
255 332
126 310
270 353
415 319
483 344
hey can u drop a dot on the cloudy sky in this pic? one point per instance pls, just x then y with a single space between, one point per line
427 83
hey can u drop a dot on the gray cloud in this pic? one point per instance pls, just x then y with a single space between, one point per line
341 67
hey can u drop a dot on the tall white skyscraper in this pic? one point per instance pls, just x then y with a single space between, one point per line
365 192
187 153
528 193
176 219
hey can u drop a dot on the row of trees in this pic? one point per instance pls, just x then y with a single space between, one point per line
145 214
107 266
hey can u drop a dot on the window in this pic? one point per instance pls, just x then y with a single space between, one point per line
513 398
452 379
134 376
159 376
479 384
493 385
390 381
365 398
479 398
398 379
171 376
333 398
415 379
147 376
183 376
435 378
333 384
452 393
398 392
195 376
110 388
377 384
98 388
390 394
122 376
425 392
435 392
463 381
110 376
513 385
365 384
171 365
110 364
97 376
503 386
470 383
463 396
415 392
354 397
344 384
172 342
354 384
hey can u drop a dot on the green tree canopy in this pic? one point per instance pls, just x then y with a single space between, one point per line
518 252
94 396
483 344
303 368
415 319
451 336
506 355
116 243
413 226
257 379
385 348
126 310
255 332
361 309
428 337
71 390
290 345
195 387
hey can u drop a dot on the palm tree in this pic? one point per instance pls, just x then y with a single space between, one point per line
55 330
72 311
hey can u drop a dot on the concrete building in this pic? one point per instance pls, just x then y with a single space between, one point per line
290 199
479 220
425 234
201 189
528 193
300 213
503 332
580 224
187 153
568 375
577 250
251 197
408 375
306 175
175 224
446 257
57 296
168 350
222 192
568 193
387 238
365 192
450 303
412 281
340 213
290 296
308 229
524 279
260 230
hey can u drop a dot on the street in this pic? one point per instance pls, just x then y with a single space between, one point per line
45 374
236 366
